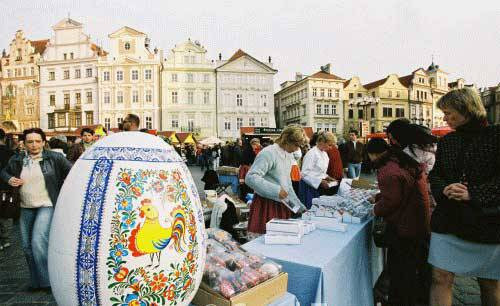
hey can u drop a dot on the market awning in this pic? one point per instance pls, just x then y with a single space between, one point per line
169 135
186 138
376 135
211 140
441 131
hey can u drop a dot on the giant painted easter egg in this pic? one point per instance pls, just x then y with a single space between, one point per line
128 228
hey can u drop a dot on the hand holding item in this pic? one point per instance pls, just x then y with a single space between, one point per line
283 194
324 184
457 191
372 199
15 182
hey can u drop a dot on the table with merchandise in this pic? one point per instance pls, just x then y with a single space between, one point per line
337 262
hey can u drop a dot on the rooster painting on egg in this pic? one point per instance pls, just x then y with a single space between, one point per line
151 238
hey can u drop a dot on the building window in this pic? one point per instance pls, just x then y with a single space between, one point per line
107 123
89 97
119 75
190 78
373 94
135 75
390 94
360 114
89 118
337 93
174 77
78 73
190 123
119 97
329 93
52 100
88 72
32 70
174 97
425 95
327 127
239 100
400 112
127 46
78 97
322 92
334 128
319 127
206 78
78 119
318 109
326 109
119 121
52 121
334 109
66 74
398 94
227 125
206 97
387 112
61 119
66 100
351 95
106 97
175 121
315 92
360 95
135 96
239 123
351 114
65 56
251 121
147 74
105 75
190 97
149 122
263 121
372 113
149 95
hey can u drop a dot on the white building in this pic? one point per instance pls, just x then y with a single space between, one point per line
129 80
188 91
68 83
314 101
244 94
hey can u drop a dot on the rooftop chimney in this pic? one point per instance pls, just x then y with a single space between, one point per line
269 59
326 68
298 76
156 50
220 56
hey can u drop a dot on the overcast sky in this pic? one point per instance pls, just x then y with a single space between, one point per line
370 39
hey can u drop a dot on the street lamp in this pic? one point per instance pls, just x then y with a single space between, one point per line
366 103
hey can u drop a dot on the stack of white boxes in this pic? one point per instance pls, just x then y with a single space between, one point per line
281 231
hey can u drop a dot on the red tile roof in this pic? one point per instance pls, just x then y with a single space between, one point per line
99 50
324 75
406 80
346 83
182 136
237 55
39 45
375 83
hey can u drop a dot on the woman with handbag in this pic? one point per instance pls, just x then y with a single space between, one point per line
465 182
39 176
403 202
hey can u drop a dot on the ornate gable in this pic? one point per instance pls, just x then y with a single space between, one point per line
126 31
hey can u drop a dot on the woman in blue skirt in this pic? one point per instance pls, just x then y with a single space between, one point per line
465 182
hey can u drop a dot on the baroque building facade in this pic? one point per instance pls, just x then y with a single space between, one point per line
129 80
68 79
188 91
244 94
359 107
19 83
314 100
491 100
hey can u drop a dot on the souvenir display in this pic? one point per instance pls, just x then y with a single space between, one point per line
128 227
230 270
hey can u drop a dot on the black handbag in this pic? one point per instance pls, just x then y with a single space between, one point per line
10 207
380 234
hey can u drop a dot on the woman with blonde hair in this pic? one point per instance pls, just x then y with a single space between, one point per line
269 177
465 182
315 181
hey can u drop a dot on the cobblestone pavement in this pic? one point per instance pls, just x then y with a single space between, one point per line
14 277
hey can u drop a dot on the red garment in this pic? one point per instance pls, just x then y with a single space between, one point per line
243 172
262 210
295 173
335 168
402 201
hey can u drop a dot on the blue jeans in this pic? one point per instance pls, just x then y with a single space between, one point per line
353 170
35 228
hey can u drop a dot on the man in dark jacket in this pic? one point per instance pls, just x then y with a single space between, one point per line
5 191
353 152
87 140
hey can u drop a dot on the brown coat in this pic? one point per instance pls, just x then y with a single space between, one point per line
402 201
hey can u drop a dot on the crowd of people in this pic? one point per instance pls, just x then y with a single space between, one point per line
439 198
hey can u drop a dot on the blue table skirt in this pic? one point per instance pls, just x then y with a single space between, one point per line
329 267
233 179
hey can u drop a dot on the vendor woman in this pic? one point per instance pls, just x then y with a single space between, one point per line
269 177
315 181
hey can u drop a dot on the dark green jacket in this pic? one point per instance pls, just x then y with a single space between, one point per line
55 167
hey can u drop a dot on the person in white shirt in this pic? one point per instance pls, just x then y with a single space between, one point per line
315 181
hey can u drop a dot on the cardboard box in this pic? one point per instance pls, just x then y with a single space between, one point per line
262 294
329 224
287 226
282 238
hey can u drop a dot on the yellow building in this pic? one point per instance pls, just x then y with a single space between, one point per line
419 97
392 102
19 80
129 80
359 107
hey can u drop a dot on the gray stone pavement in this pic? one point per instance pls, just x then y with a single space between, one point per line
14 277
